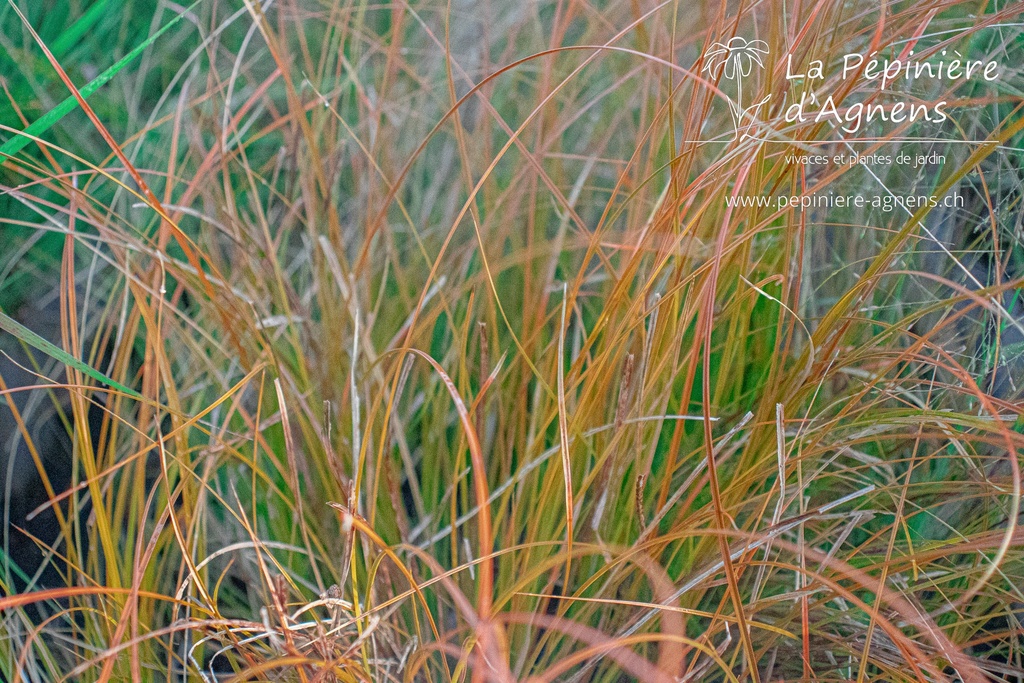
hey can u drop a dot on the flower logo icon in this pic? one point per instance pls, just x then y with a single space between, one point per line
734 60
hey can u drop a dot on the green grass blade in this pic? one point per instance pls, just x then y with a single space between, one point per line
47 120
66 40
11 326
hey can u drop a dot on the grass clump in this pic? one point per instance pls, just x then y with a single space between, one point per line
422 342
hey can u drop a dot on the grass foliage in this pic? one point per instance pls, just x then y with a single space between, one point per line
417 342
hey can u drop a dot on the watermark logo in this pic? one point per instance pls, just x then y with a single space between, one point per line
734 61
